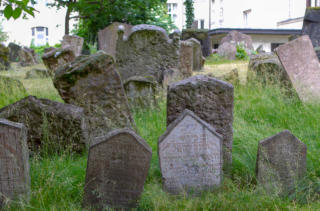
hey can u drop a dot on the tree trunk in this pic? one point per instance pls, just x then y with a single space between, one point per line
67 20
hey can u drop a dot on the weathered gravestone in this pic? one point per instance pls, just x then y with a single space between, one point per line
73 42
58 125
281 162
27 57
198 59
140 91
190 155
108 37
228 50
201 35
311 27
4 57
186 58
14 162
93 83
56 58
117 168
301 64
37 73
147 52
14 52
211 100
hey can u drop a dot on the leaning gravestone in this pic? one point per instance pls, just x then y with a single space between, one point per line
311 27
281 162
186 58
14 161
190 155
27 57
147 52
93 83
108 37
74 42
211 100
301 63
14 52
197 54
56 58
118 165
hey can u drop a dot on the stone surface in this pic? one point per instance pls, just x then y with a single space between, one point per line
27 57
311 27
147 52
171 76
197 54
281 162
301 64
37 73
14 162
56 58
202 36
239 39
73 42
190 155
186 59
14 52
61 124
211 100
11 87
108 37
140 92
228 50
93 83
4 57
46 50
231 76
117 168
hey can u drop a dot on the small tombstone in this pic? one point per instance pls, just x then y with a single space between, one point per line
140 91
4 57
56 58
26 57
211 100
93 83
197 54
74 42
302 66
186 58
281 162
117 168
190 154
14 161
14 52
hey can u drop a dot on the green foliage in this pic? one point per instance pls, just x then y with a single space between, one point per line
241 53
189 13
40 49
14 8
3 35
217 59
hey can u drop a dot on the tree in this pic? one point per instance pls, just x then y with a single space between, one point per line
189 13
3 35
16 8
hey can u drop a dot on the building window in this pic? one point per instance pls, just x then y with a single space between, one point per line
47 32
173 11
40 29
246 17
202 24
32 31
221 12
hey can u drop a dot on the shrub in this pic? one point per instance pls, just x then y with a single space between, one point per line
241 53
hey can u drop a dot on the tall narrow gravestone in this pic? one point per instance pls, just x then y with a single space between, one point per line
117 168
74 42
14 161
190 154
311 27
301 63
281 162
211 100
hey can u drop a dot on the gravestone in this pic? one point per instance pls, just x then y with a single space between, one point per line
27 57
93 83
37 73
281 162
186 58
73 42
202 36
118 165
311 27
56 58
197 54
146 52
4 57
190 155
228 50
14 52
108 37
140 92
302 66
14 162
211 100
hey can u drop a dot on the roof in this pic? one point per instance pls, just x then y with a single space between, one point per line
256 31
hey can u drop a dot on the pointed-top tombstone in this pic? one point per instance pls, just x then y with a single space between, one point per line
190 155
117 168
281 162
14 161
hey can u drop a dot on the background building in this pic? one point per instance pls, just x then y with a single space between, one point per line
40 35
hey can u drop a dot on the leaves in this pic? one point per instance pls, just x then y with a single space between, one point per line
16 13
8 11
19 7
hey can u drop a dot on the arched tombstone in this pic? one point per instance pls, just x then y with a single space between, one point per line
190 155
118 165
281 163
14 162
75 43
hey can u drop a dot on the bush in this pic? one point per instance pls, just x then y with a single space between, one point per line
241 53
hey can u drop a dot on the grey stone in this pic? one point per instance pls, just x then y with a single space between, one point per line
302 66
231 76
46 50
4 57
202 36
190 155
146 52
170 76
239 39
75 43
93 83
37 73
117 168
311 27
56 58
197 54
211 100
281 162
27 57
14 52
108 37
228 50
14 162
186 59
59 125
260 49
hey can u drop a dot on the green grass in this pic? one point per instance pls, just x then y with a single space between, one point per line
57 181
217 59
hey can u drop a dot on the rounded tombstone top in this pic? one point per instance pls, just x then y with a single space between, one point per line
146 27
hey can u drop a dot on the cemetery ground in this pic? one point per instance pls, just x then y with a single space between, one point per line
57 180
